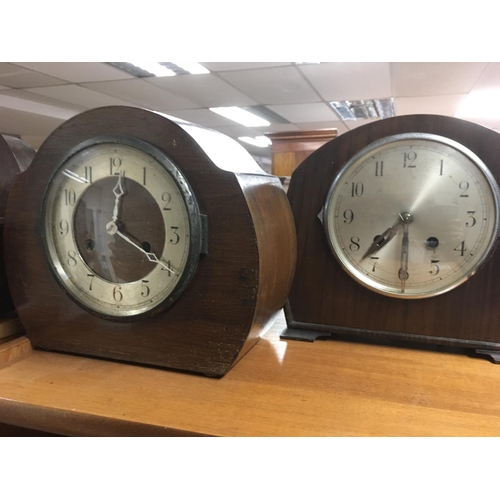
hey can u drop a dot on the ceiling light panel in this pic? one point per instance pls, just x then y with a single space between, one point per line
145 69
364 109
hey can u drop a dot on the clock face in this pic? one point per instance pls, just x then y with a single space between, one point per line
412 215
121 228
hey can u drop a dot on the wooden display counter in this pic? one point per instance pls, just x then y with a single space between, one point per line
280 388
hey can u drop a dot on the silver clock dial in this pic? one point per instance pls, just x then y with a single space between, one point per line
118 228
412 215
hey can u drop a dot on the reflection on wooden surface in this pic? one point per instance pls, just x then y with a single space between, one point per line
280 388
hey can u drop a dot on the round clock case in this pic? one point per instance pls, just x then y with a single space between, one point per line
15 157
349 298
93 227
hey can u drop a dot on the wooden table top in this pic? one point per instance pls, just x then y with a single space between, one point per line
280 388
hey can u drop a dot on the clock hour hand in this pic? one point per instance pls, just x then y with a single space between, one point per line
118 192
112 228
382 240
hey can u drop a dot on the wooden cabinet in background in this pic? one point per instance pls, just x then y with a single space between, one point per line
290 149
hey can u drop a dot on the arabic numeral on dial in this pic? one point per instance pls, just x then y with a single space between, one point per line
64 227
434 266
72 258
409 158
91 276
379 169
117 294
348 216
472 221
145 288
114 165
169 266
375 261
70 197
166 198
143 176
357 189
464 186
461 248
354 246
441 165
175 236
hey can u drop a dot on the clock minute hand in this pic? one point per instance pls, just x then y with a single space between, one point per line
406 219
111 228
403 271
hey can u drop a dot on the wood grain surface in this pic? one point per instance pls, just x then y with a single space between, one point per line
325 298
237 289
280 388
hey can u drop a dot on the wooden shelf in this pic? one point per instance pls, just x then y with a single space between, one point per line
280 388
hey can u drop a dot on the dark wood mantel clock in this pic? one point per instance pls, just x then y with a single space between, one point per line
397 236
15 157
138 238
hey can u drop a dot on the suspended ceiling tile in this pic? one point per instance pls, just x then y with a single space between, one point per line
446 105
273 86
36 108
341 81
203 117
311 112
434 78
78 72
490 78
206 90
80 96
141 93
17 77
236 66
30 96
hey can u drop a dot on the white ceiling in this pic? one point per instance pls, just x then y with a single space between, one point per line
36 97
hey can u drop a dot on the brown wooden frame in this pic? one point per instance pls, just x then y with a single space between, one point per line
237 290
324 298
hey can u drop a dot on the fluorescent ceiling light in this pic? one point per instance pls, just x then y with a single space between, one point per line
241 116
261 141
192 67
154 68
481 104
366 109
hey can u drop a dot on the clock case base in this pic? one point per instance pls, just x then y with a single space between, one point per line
326 301
239 285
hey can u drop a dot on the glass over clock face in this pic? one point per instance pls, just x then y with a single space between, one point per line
121 228
412 215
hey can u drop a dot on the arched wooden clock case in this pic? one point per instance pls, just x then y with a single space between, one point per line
325 300
15 157
239 276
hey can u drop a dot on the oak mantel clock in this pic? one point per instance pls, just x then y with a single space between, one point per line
15 157
397 229
139 238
